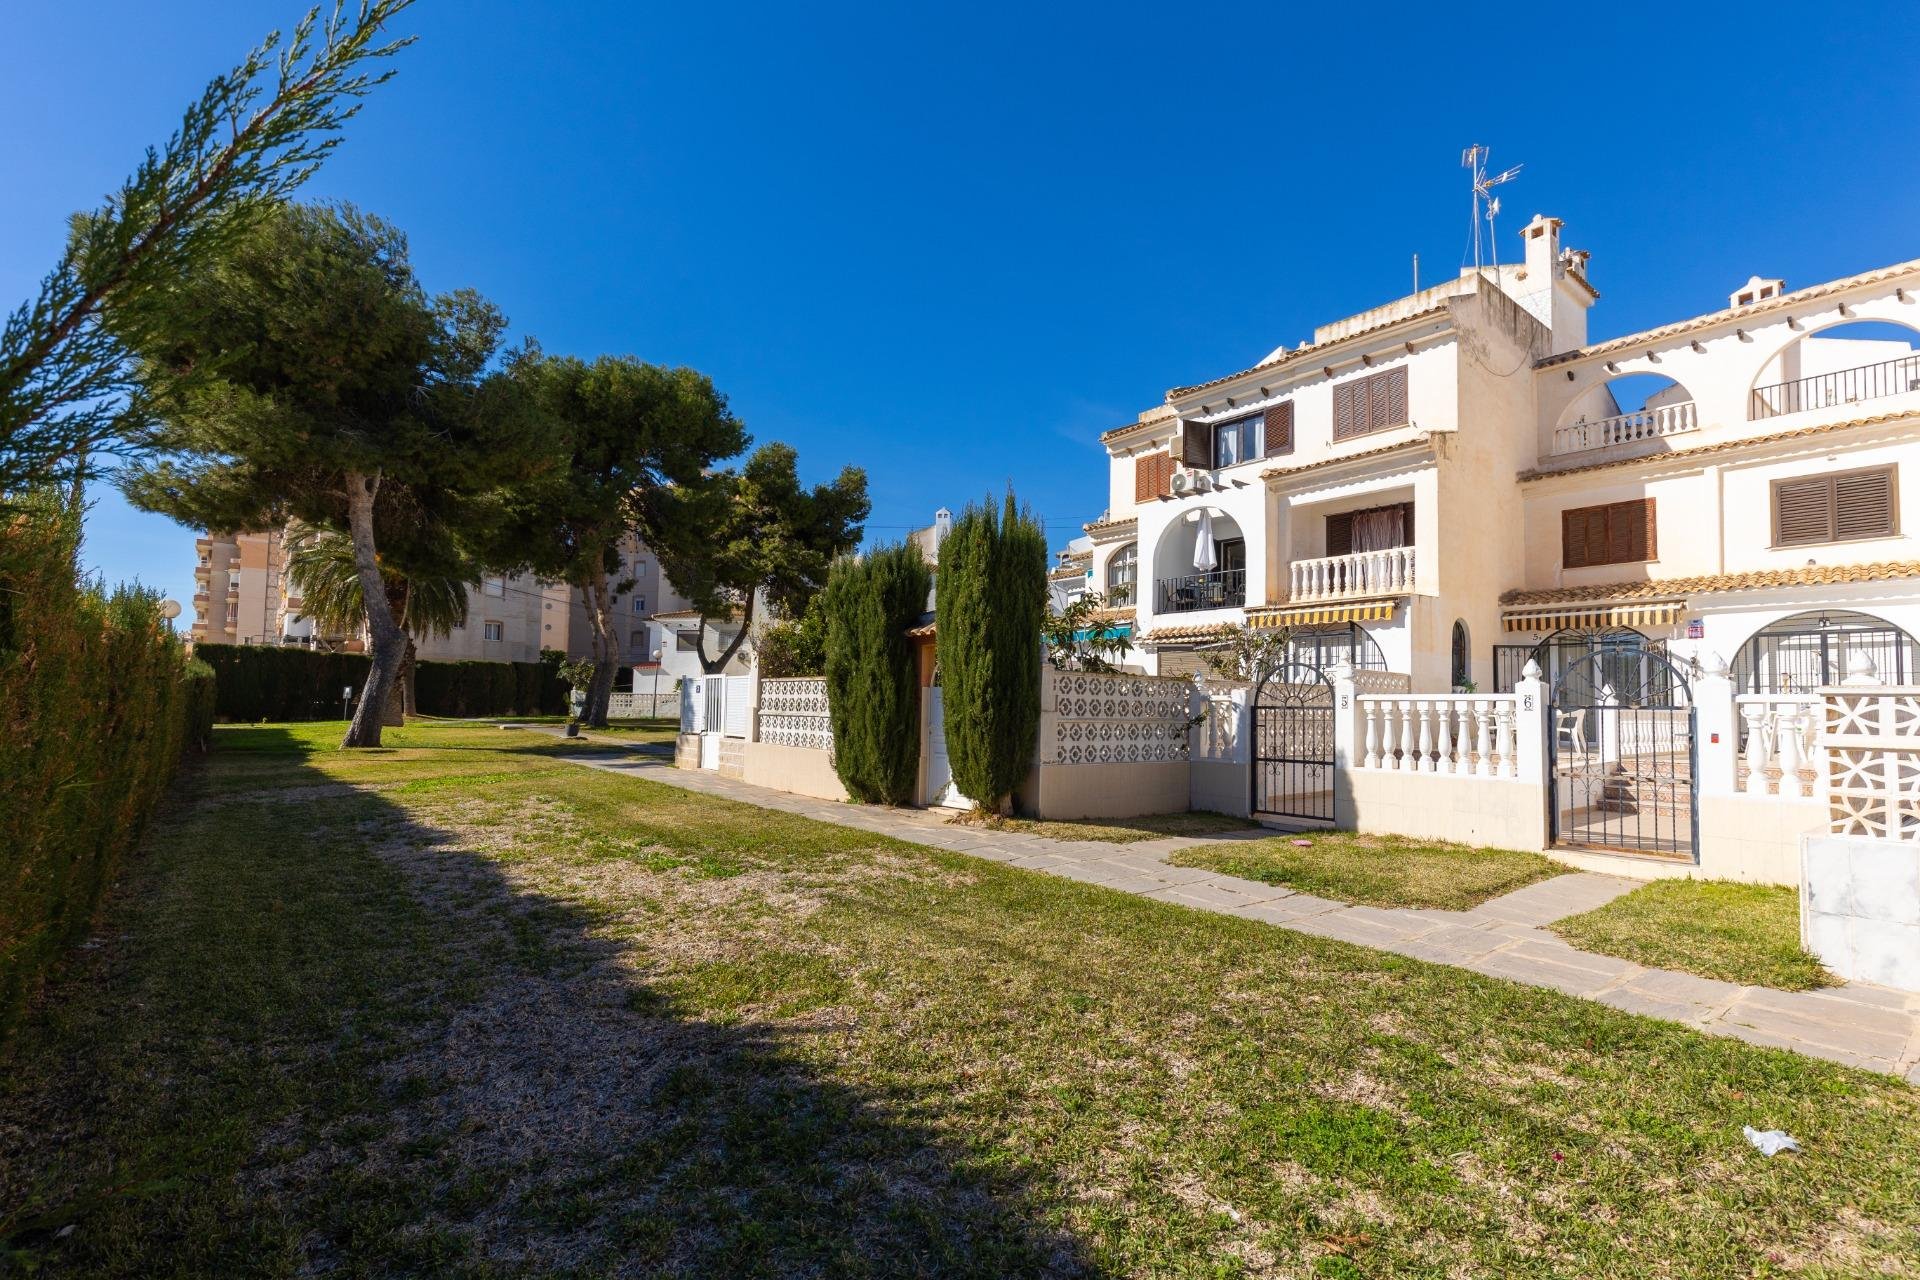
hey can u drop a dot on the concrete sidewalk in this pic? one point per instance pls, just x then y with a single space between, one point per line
1870 1027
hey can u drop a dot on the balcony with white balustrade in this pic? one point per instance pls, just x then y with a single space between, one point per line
1656 422
1359 575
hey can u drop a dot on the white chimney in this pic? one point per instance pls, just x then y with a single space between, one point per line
1551 285
1756 289
942 526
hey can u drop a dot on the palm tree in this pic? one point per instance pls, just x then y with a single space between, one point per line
320 563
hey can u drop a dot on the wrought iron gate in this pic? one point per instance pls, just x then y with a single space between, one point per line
1293 745
1621 745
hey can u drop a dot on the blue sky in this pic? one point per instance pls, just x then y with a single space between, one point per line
954 246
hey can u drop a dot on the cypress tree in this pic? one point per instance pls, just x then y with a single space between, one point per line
991 605
873 693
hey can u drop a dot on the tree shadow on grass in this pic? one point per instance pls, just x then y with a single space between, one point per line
434 1070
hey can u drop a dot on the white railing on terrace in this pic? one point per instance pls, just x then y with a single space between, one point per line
1779 742
1460 733
1364 573
1627 428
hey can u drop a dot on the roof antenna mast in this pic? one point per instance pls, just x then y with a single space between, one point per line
1485 203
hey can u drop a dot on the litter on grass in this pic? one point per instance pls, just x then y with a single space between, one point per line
1771 1142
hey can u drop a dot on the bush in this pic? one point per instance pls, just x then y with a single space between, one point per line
97 700
480 688
991 603
873 688
257 682
795 646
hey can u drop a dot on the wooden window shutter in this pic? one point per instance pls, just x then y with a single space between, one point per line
1196 444
1343 425
1395 381
1649 534
1626 531
1145 478
1863 505
1583 537
1340 534
1163 479
1803 511
1277 426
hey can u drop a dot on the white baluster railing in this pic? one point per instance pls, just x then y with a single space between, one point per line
1364 573
1627 428
1779 749
1460 733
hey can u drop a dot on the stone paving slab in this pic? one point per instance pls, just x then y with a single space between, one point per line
1870 1027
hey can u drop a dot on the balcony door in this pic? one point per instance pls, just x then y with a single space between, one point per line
1370 529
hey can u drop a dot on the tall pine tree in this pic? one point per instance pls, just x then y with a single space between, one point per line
873 689
990 606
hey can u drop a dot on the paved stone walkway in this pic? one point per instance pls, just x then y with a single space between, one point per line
1871 1027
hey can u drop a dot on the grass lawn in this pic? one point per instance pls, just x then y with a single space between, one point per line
1745 933
456 1008
1378 871
1112 830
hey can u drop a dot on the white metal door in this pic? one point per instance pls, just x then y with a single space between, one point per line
940 789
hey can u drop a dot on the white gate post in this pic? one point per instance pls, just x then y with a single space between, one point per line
1530 725
1717 740
1346 740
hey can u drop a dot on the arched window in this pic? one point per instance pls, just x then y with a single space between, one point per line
1325 647
1625 410
1462 656
1808 650
1123 572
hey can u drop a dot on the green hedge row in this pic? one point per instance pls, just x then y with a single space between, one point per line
489 689
97 703
256 682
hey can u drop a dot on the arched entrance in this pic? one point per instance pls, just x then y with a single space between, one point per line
1621 744
1293 746
1561 650
1809 650
1326 647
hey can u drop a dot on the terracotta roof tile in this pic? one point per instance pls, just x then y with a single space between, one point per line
1662 588
1785 301
1178 635
1110 525
1417 442
1310 352
1721 446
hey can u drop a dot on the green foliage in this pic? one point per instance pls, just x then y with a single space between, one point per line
795 646
873 689
320 563
479 688
736 536
274 682
615 432
97 702
991 603
239 152
1076 640
1246 654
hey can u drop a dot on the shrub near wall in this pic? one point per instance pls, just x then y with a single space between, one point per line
480 688
97 700
255 682
873 686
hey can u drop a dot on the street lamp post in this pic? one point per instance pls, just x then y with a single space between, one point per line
657 655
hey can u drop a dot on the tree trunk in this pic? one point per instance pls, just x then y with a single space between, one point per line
389 642
714 666
400 700
606 650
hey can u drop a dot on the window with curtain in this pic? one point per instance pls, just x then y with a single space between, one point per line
1236 442
1123 571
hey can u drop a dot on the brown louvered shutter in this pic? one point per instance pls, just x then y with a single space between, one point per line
1395 381
1196 444
1583 537
1626 533
1649 536
1277 426
1145 478
1803 511
1340 534
1163 479
1863 505
1379 412
1343 411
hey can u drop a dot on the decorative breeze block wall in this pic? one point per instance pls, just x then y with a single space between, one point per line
1090 718
1872 742
793 713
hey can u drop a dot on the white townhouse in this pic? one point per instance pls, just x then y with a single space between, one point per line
1448 485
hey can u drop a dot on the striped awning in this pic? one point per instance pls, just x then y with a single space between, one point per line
1656 613
1317 614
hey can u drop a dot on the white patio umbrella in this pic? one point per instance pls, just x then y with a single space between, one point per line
1206 555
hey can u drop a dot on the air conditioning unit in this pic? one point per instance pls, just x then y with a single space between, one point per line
1182 483
1188 480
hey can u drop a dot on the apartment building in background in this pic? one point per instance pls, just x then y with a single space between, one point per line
1457 482
243 595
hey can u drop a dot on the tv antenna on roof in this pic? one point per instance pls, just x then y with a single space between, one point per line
1485 203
